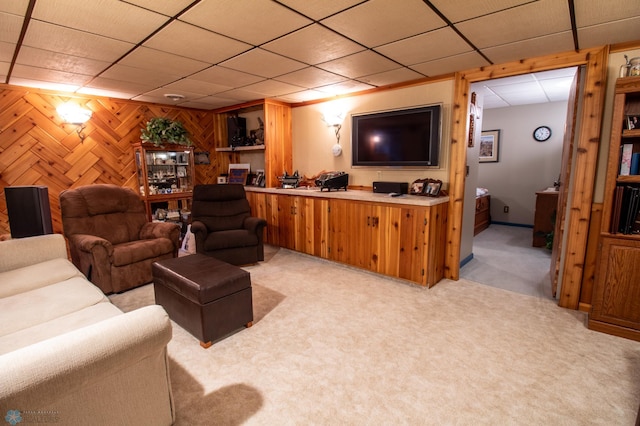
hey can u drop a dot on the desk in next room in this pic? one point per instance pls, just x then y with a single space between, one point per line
402 237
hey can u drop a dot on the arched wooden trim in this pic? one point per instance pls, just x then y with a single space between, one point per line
577 225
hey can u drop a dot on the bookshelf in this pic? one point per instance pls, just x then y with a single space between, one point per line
616 293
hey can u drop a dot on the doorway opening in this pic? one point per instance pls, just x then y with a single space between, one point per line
514 174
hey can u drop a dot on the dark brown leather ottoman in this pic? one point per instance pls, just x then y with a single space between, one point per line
206 296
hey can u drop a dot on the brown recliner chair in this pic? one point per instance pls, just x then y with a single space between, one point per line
223 226
110 238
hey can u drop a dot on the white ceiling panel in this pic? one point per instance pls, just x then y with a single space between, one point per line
262 63
242 50
155 60
250 21
530 48
400 20
531 20
359 64
60 62
271 88
386 78
614 32
142 76
166 7
11 27
319 9
16 7
297 45
462 10
73 42
451 64
187 85
195 43
425 47
311 77
225 77
103 17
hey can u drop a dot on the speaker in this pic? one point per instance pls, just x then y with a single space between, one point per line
29 211
236 130
389 187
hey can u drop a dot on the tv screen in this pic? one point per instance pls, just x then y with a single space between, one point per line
399 138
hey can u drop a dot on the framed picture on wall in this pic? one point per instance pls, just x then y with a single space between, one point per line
489 146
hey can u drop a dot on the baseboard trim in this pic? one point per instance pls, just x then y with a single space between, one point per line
519 225
466 260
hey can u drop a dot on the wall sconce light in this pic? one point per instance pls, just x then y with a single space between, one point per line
74 114
335 121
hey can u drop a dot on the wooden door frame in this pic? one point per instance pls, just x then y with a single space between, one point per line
577 228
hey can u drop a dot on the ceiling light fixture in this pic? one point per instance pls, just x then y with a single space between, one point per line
74 114
173 96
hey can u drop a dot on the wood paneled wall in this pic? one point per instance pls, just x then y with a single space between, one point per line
37 148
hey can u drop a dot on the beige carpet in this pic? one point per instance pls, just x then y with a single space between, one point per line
334 345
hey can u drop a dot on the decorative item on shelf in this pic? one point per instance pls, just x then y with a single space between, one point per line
634 67
333 180
289 181
257 135
74 114
426 187
160 130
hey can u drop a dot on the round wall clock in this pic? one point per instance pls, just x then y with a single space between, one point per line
542 133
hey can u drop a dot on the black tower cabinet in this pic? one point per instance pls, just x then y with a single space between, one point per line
29 211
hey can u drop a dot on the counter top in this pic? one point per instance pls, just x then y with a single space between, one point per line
353 194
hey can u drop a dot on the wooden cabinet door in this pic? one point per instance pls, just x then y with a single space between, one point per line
339 232
616 295
412 243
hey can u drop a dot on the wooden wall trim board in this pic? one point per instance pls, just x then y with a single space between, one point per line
595 61
591 257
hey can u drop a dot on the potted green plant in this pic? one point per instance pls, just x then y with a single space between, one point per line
160 130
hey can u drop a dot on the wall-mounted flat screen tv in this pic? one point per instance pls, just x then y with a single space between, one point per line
398 138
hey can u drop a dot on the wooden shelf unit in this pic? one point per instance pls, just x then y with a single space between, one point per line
277 146
616 293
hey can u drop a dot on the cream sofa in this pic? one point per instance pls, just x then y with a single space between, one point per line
67 354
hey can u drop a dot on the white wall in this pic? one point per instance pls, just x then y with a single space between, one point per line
312 139
525 166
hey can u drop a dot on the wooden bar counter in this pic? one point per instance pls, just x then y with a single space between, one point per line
402 237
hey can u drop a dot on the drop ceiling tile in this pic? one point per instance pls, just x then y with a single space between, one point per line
195 43
152 60
212 102
240 95
270 88
556 88
16 7
46 75
196 86
166 7
304 96
159 95
520 23
59 61
46 85
319 9
436 44
225 77
560 42
527 98
4 70
313 45
461 10
102 17
384 21
250 21
11 27
262 63
311 77
345 87
128 88
129 74
72 42
362 63
508 90
6 51
391 77
451 64
610 33
590 13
